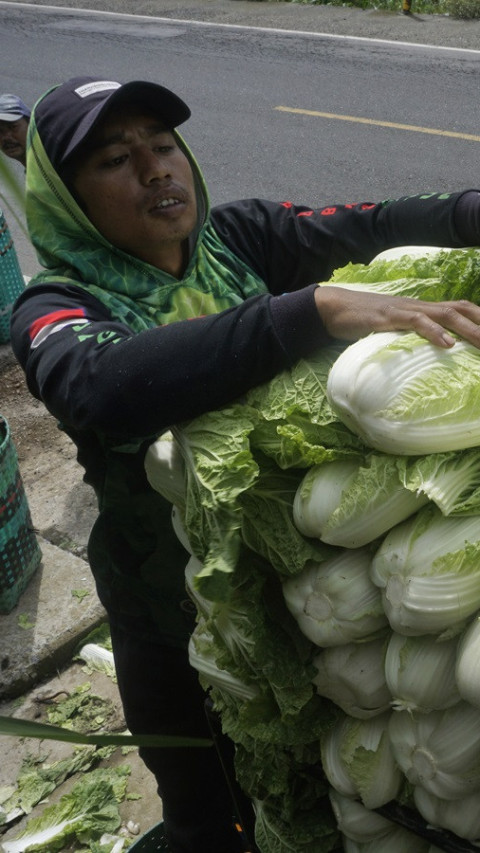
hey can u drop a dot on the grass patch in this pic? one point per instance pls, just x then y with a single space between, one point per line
462 9
465 9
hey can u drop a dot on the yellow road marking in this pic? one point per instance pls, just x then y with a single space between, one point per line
470 136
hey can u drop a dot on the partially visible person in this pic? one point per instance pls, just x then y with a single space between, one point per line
14 121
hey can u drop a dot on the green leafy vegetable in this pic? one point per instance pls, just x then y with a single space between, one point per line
24 621
433 277
37 779
88 811
81 711
80 593
385 436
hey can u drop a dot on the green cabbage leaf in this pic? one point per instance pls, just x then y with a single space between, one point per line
85 814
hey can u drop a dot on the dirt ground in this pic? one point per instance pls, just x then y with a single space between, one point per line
33 429
140 809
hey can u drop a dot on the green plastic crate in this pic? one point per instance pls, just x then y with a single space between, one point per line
11 279
20 553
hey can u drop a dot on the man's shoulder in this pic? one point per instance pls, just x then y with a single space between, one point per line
46 298
243 206
248 213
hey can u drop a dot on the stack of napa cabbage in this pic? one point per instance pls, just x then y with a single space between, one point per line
333 518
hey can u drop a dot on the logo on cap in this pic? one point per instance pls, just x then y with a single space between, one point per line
98 86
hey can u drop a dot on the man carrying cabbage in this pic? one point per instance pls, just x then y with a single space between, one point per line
153 309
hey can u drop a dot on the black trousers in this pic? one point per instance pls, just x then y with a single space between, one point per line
160 694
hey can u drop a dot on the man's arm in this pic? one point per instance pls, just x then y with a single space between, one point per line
91 372
291 246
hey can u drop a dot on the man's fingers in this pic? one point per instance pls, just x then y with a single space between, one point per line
427 328
438 322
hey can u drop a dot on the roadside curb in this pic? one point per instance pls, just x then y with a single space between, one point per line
55 613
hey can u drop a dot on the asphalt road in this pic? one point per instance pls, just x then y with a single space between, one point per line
289 101
439 30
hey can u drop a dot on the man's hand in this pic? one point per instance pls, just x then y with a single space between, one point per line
349 315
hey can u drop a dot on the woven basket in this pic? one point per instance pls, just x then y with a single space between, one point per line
11 279
20 554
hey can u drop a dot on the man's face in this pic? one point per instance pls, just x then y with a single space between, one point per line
136 186
13 138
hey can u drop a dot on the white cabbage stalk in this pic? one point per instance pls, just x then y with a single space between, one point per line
353 677
179 529
98 658
201 654
355 821
439 751
335 602
428 569
350 502
358 760
203 605
42 837
398 840
403 395
165 469
116 844
459 816
467 666
320 493
420 673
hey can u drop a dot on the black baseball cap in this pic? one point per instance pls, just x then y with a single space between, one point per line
67 114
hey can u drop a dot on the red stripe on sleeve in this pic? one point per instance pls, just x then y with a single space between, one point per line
55 317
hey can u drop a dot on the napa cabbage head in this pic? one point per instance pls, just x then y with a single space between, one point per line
401 394
428 571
